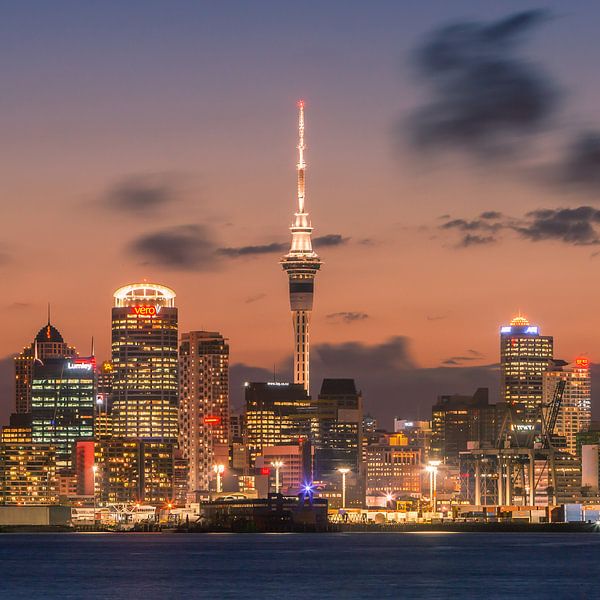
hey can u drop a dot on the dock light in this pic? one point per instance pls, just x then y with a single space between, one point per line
277 464
344 471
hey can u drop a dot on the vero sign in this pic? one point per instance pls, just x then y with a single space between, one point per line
145 310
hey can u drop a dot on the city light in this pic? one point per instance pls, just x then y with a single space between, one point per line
344 471
277 465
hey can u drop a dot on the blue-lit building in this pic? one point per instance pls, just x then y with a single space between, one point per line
524 357
62 404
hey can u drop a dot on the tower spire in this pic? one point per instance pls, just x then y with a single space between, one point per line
301 166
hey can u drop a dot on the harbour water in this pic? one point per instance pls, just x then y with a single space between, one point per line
264 566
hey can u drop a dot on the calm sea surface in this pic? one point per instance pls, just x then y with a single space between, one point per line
359 565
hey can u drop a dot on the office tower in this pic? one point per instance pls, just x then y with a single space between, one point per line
63 394
393 467
457 420
524 356
134 470
48 343
28 474
301 264
144 359
575 414
339 429
203 404
277 414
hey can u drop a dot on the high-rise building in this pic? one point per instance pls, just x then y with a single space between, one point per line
524 357
338 433
134 470
277 414
63 395
48 343
203 403
144 358
28 474
575 414
301 264
457 420
393 467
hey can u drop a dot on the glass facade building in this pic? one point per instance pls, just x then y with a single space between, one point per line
524 357
62 404
144 359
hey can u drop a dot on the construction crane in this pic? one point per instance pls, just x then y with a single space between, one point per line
553 408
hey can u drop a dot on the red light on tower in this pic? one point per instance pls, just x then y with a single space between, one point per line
212 420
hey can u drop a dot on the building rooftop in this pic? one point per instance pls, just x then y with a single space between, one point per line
338 387
49 333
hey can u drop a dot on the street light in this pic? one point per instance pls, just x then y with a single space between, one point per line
344 471
277 464
218 469
432 469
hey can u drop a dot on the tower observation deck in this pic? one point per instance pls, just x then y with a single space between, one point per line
301 264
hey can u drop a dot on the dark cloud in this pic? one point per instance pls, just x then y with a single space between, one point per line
331 239
186 247
18 305
490 214
484 96
581 163
273 248
347 316
393 384
578 226
255 298
477 232
141 194
461 360
570 225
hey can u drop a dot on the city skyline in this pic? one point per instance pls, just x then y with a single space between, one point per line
422 307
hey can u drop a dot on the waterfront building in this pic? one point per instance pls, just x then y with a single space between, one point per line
28 474
296 466
63 404
301 264
277 414
575 414
525 355
203 404
134 470
144 358
393 468
460 419
48 343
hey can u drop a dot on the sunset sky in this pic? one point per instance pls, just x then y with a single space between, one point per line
157 140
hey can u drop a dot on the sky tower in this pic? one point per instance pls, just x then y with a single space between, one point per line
301 264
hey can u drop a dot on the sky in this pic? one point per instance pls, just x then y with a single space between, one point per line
452 179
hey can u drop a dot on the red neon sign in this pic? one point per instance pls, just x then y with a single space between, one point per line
145 310
212 420
582 363
265 471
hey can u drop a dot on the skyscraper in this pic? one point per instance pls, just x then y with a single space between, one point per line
63 396
524 357
301 264
203 403
48 343
575 414
277 414
144 358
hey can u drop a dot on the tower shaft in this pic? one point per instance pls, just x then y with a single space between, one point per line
301 264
